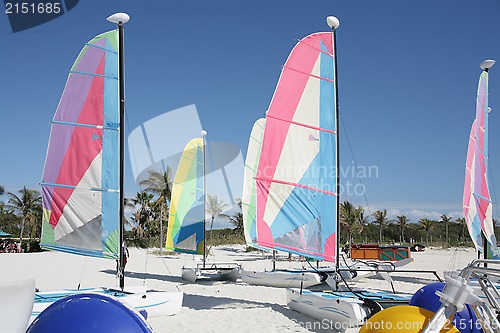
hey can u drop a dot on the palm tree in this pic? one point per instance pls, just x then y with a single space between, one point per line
8 220
402 221
351 219
141 202
427 225
2 190
463 225
446 220
237 218
160 183
214 207
25 205
381 218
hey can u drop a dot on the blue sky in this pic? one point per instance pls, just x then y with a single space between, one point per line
408 73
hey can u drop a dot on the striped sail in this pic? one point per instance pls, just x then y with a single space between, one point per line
296 175
80 182
477 201
249 198
186 220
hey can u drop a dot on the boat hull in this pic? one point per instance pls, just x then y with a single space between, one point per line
282 278
341 312
343 309
194 274
149 304
16 302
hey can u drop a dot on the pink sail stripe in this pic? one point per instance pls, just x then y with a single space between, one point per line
73 161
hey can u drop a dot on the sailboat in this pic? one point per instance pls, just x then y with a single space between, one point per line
289 170
477 203
290 185
476 284
82 182
297 183
274 278
186 221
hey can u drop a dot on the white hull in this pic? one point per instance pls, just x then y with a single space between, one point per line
282 279
342 309
149 304
16 303
340 312
193 274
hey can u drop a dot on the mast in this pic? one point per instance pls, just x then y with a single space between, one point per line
120 19
485 66
203 134
334 23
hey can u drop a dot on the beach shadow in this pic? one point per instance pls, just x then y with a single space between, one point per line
246 259
416 280
146 276
200 302
230 249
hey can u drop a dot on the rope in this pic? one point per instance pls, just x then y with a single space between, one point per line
355 163
83 270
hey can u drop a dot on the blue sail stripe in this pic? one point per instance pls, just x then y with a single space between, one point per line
110 172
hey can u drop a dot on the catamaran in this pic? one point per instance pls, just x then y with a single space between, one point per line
186 221
477 284
82 182
297 184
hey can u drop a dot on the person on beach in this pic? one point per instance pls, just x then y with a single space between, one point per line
126 254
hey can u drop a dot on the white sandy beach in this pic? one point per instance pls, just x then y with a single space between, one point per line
209 306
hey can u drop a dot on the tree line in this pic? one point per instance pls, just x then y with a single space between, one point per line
21 216
356 228
146 224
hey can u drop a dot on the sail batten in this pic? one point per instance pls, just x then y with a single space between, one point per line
304 125
85 125
94 74
309 74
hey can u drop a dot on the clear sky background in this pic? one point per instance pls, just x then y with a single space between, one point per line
408 74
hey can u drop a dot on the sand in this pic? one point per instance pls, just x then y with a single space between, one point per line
211 306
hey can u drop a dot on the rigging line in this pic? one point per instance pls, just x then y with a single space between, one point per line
249 167
146 268
83 270
131 148
355 163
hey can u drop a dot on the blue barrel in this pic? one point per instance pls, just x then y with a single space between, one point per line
465 320
86 312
